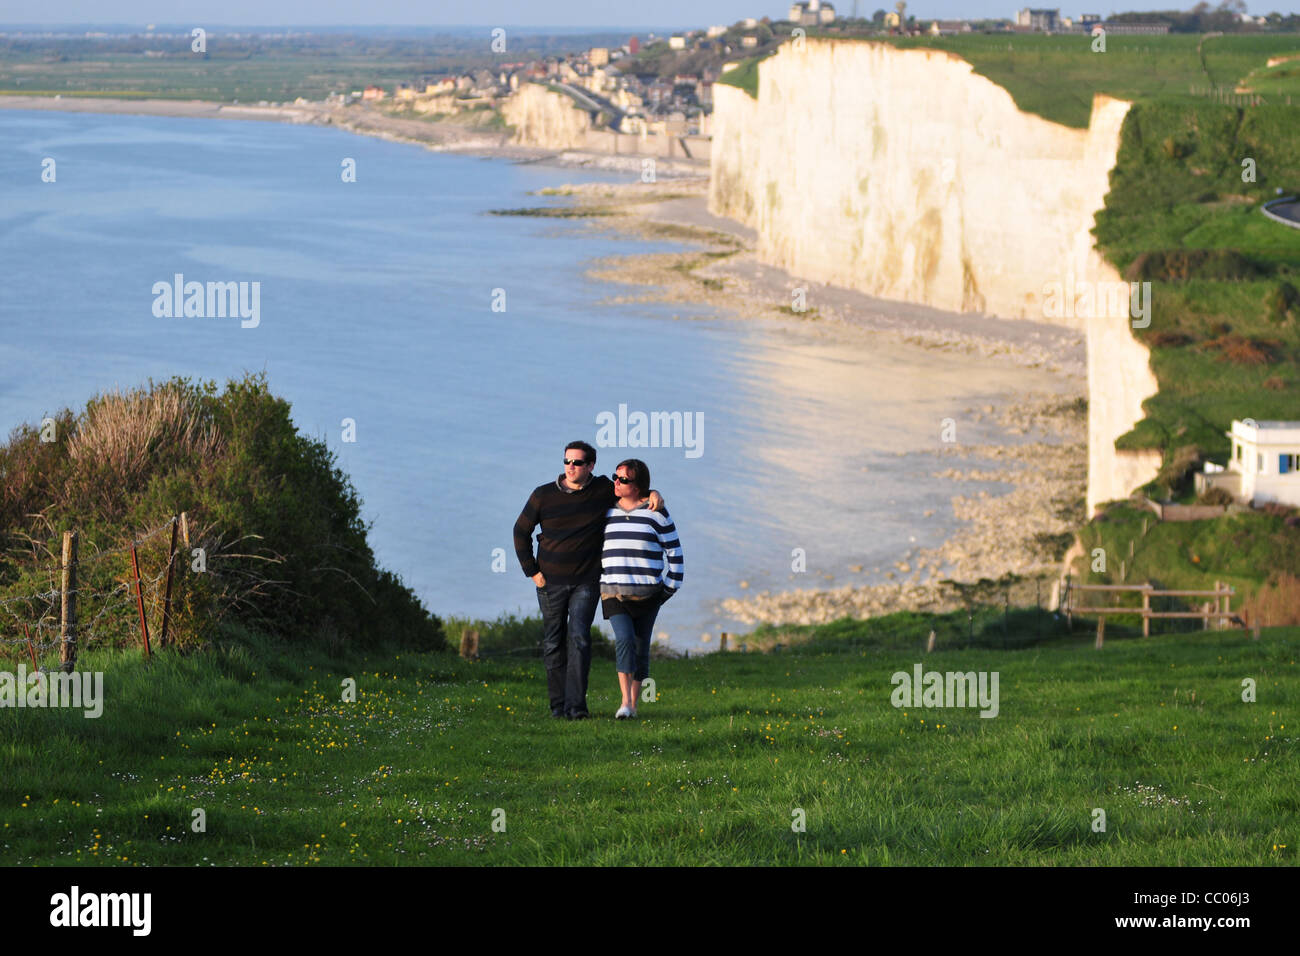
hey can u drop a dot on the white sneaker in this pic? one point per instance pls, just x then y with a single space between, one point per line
632 712
623 712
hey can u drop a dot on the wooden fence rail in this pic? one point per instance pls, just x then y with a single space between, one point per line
1221 611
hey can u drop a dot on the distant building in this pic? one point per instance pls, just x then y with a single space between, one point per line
712 32
891 20
749 42
598 56
677 42
1134 29
373 93
633 46
1264 464
812 13
1044 21
946 27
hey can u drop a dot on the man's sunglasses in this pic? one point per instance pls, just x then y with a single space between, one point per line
576 461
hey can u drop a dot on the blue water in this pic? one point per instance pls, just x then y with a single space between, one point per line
376 306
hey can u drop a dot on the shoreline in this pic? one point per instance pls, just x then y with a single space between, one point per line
1047 473
362 120
720 271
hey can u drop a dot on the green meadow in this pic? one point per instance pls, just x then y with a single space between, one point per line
445 761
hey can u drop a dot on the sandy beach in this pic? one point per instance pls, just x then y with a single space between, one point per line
1047 472
721 271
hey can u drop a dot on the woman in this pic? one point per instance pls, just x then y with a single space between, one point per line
641 568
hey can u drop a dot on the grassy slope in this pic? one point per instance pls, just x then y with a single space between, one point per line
412 771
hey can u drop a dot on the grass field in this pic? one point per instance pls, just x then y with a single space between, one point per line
1057 76
435 749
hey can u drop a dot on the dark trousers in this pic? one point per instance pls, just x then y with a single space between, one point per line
567 613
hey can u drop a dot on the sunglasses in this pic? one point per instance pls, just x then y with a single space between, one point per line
576 461
619 479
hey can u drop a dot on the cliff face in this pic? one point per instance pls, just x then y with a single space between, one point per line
545 119
903 174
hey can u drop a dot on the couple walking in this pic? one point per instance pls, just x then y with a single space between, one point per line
606 539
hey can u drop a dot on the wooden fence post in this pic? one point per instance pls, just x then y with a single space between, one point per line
1146 608
167 596
139 602
469 644
1101 631
1069 604
68 627
722 641
31 648
929 644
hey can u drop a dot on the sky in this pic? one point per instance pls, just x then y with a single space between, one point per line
556 13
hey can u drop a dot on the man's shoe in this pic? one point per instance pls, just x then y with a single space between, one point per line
578 716
557 714
622 712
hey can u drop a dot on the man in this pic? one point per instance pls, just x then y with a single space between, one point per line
566 570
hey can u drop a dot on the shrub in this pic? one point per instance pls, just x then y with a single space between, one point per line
1277 603
1176 265
1216 496
1243 351
280 523
1175 472
1283 302
1166 338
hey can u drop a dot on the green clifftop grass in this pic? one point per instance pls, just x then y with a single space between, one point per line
434 749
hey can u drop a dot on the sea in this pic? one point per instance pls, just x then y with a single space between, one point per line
447 355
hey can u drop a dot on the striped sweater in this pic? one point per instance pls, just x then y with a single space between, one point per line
641 552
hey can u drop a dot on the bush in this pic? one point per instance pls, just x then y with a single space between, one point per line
1179 265
1277 604
1283 302
1244 351
1216 496
280 524
513 634
1176 471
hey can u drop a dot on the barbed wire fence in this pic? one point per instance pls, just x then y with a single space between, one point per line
71 612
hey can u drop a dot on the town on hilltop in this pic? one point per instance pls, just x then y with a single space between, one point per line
663 85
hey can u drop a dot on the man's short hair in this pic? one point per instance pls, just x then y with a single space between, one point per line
588 452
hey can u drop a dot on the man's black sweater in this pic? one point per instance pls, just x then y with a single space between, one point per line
573 530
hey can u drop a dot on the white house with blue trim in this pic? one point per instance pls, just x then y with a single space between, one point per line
1264 464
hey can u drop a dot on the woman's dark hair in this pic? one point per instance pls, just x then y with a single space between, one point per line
588 452
639 473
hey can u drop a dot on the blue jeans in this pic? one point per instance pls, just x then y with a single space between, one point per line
632 643
567 613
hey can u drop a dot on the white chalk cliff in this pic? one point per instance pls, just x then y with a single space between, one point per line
906 175
543 118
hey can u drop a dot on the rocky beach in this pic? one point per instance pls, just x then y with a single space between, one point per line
1022 532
